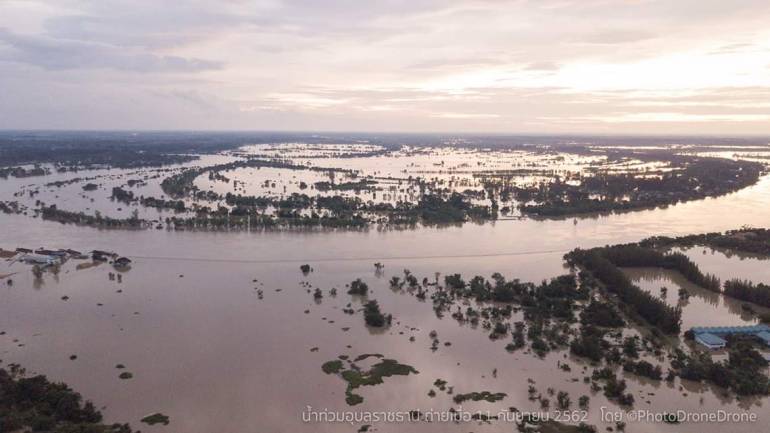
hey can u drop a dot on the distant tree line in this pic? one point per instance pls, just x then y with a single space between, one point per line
747 240
6 172
52 213
71 151
693 178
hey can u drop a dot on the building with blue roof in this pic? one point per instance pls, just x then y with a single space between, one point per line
710 340
714 337
764 336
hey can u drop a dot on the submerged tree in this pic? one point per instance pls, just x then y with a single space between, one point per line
358 287
373 316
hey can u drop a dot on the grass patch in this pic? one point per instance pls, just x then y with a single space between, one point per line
156 418
480 396
357 377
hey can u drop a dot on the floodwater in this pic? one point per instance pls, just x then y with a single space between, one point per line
728 265
702 308
204 349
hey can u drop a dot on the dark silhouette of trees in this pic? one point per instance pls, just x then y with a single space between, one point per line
633 255
743 372
747 240
373 316
694 178
602 314
650 308
358 287
37 404
747 291
122 195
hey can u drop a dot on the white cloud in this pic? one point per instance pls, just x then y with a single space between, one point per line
478 65
55 54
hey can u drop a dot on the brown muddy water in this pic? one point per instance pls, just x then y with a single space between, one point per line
702 308
204 349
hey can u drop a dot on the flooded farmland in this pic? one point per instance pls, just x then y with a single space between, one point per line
221 330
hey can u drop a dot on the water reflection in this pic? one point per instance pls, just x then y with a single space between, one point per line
703 308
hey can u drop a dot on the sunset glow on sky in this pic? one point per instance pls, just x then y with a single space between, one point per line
543 66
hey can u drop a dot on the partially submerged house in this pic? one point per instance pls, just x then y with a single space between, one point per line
102 256
715 337
55 253
122 262
39 259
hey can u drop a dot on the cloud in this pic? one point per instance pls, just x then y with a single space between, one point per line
190 97
449 63
495 65
140 23
733 48
543 66
617 36
58 54
466 115
669 117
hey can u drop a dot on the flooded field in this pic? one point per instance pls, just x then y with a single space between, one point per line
205 350
701 308
221 331
370 173
348 186
727 265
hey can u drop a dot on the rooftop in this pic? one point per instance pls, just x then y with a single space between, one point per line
711 339
765 336
723 330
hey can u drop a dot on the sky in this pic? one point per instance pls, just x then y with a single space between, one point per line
694 67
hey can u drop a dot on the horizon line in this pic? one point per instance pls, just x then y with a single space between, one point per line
394 133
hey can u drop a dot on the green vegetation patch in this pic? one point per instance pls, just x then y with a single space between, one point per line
747 240
332 367
35 404
355 376
480 396
156 418
367 355
557 427
358 287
